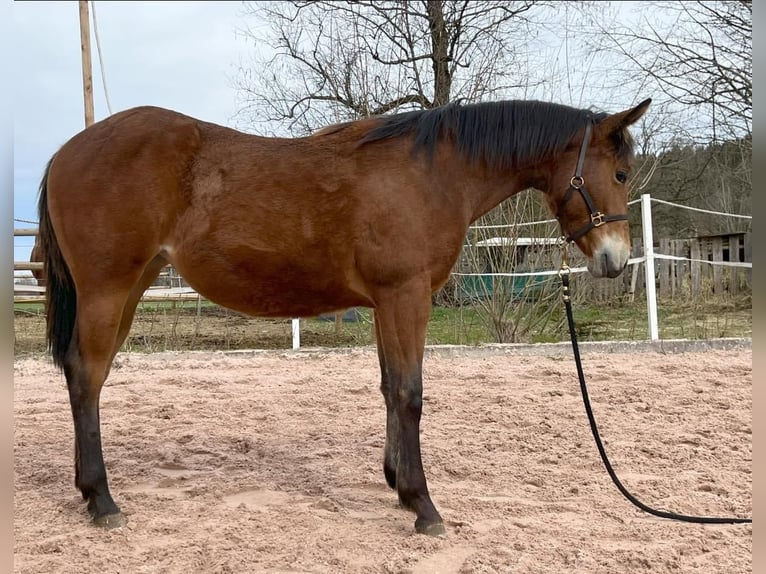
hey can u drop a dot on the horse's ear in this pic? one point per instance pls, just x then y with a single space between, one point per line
618 122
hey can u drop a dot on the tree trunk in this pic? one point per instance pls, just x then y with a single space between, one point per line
440 54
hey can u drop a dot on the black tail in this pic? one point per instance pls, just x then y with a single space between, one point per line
60 295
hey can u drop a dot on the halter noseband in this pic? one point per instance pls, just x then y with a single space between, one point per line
577 183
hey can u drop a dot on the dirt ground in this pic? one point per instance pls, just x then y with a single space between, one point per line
271 462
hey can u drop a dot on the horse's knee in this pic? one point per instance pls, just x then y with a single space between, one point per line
413 403
410 399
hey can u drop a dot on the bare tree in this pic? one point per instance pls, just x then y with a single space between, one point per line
699 54
520 307
334 61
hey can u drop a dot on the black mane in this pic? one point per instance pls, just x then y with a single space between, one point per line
505 134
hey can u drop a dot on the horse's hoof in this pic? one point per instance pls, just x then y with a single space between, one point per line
430 528
110 521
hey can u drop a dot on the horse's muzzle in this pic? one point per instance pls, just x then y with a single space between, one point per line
609 260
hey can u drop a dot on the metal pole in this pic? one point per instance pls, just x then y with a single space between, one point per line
87 75
651 286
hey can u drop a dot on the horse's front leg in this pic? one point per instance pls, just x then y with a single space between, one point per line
402 316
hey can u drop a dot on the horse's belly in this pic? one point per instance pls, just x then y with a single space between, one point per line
271 284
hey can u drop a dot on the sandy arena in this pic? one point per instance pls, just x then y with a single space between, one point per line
272 462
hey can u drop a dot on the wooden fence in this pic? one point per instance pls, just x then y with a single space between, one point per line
678 279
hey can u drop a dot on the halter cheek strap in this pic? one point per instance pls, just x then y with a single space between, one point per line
577 184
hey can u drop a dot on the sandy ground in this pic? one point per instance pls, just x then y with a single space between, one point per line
272 463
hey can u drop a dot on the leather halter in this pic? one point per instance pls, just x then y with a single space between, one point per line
577 184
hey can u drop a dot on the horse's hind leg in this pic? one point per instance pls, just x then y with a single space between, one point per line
86 365
403 316
104 318
150 273
391 450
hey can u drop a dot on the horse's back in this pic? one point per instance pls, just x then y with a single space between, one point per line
143 139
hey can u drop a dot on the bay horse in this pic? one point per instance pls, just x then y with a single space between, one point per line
367 213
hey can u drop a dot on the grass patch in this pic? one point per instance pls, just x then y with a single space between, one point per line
706 319
166 326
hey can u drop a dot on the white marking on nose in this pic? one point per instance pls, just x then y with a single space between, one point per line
610 256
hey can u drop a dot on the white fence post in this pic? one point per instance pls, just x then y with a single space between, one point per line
296 334
651 286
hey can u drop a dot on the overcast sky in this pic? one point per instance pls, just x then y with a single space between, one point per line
180 55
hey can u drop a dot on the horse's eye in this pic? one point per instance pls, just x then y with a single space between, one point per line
621 176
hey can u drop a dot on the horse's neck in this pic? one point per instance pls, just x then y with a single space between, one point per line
482 189
478 188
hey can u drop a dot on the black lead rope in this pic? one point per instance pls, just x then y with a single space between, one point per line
564 274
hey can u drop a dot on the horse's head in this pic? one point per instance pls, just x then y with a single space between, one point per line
589 191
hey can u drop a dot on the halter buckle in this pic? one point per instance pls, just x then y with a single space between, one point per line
597 219
577 181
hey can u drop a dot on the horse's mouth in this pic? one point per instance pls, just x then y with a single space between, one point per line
607 263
